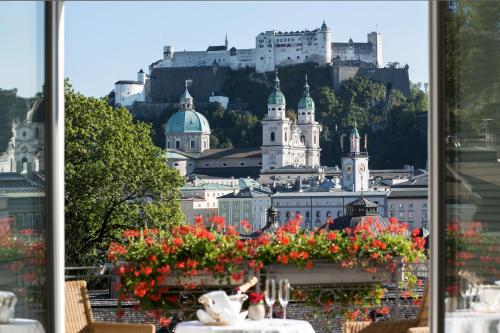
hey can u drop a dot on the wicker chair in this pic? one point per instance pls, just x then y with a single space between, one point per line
79 317
418 325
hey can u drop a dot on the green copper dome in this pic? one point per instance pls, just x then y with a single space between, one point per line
306 102
185 121
276 96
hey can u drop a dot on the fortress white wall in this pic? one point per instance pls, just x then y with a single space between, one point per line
128 93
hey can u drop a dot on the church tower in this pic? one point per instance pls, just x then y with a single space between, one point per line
355 172
281 144
309 127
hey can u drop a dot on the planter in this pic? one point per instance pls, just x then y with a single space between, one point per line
256 311
451 304
176 279
327 273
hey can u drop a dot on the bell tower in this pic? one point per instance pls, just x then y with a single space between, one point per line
355 172
276 130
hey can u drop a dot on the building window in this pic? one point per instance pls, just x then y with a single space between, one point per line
176 164
207 164
177 144
401 215
168 144
242 164
287 214
401 205
204 144
318 214
328 214
410 215
224 164
193 144
308 215
273 136
286 136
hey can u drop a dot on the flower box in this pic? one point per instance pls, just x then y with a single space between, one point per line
176 279
327 273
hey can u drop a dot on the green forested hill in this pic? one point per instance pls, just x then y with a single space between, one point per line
395 125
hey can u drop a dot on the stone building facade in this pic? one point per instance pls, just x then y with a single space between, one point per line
275 48
285 142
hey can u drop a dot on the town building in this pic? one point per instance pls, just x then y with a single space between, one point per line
410 206
22 198
249 204
317 207
202 200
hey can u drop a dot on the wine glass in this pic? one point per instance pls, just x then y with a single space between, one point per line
284 294
270 295
466 290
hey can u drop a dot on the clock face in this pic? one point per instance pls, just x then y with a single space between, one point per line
348 168
24 150
362 168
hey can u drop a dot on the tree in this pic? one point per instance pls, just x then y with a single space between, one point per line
115 178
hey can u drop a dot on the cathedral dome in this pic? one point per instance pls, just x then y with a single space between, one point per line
187 121
306 102
276 96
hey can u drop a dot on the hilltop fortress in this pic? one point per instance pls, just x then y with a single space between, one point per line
276 48
209 69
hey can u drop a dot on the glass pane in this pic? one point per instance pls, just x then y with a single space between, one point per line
22 164
472 125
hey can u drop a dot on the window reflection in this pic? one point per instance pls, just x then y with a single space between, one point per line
472 95
22 166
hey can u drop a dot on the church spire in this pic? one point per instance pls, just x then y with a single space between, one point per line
355 138
186 100
276 81
226 42
305 91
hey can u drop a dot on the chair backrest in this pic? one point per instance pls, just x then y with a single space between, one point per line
78 310
423 312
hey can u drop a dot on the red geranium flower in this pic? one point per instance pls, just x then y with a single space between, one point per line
255 298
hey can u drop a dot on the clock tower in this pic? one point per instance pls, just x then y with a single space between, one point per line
355 172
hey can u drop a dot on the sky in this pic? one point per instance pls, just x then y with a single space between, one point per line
110 41
21 46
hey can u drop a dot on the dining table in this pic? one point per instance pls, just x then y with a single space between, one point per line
274 325
19 325
469 321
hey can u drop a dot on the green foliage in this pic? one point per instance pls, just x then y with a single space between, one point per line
116 178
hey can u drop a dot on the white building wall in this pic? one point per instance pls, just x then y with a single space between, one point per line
413 211
316 208
222 100
128 93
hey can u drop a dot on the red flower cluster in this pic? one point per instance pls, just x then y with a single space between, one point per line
255 298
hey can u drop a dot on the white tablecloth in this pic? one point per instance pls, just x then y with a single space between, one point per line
249 326
472 322
22 326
